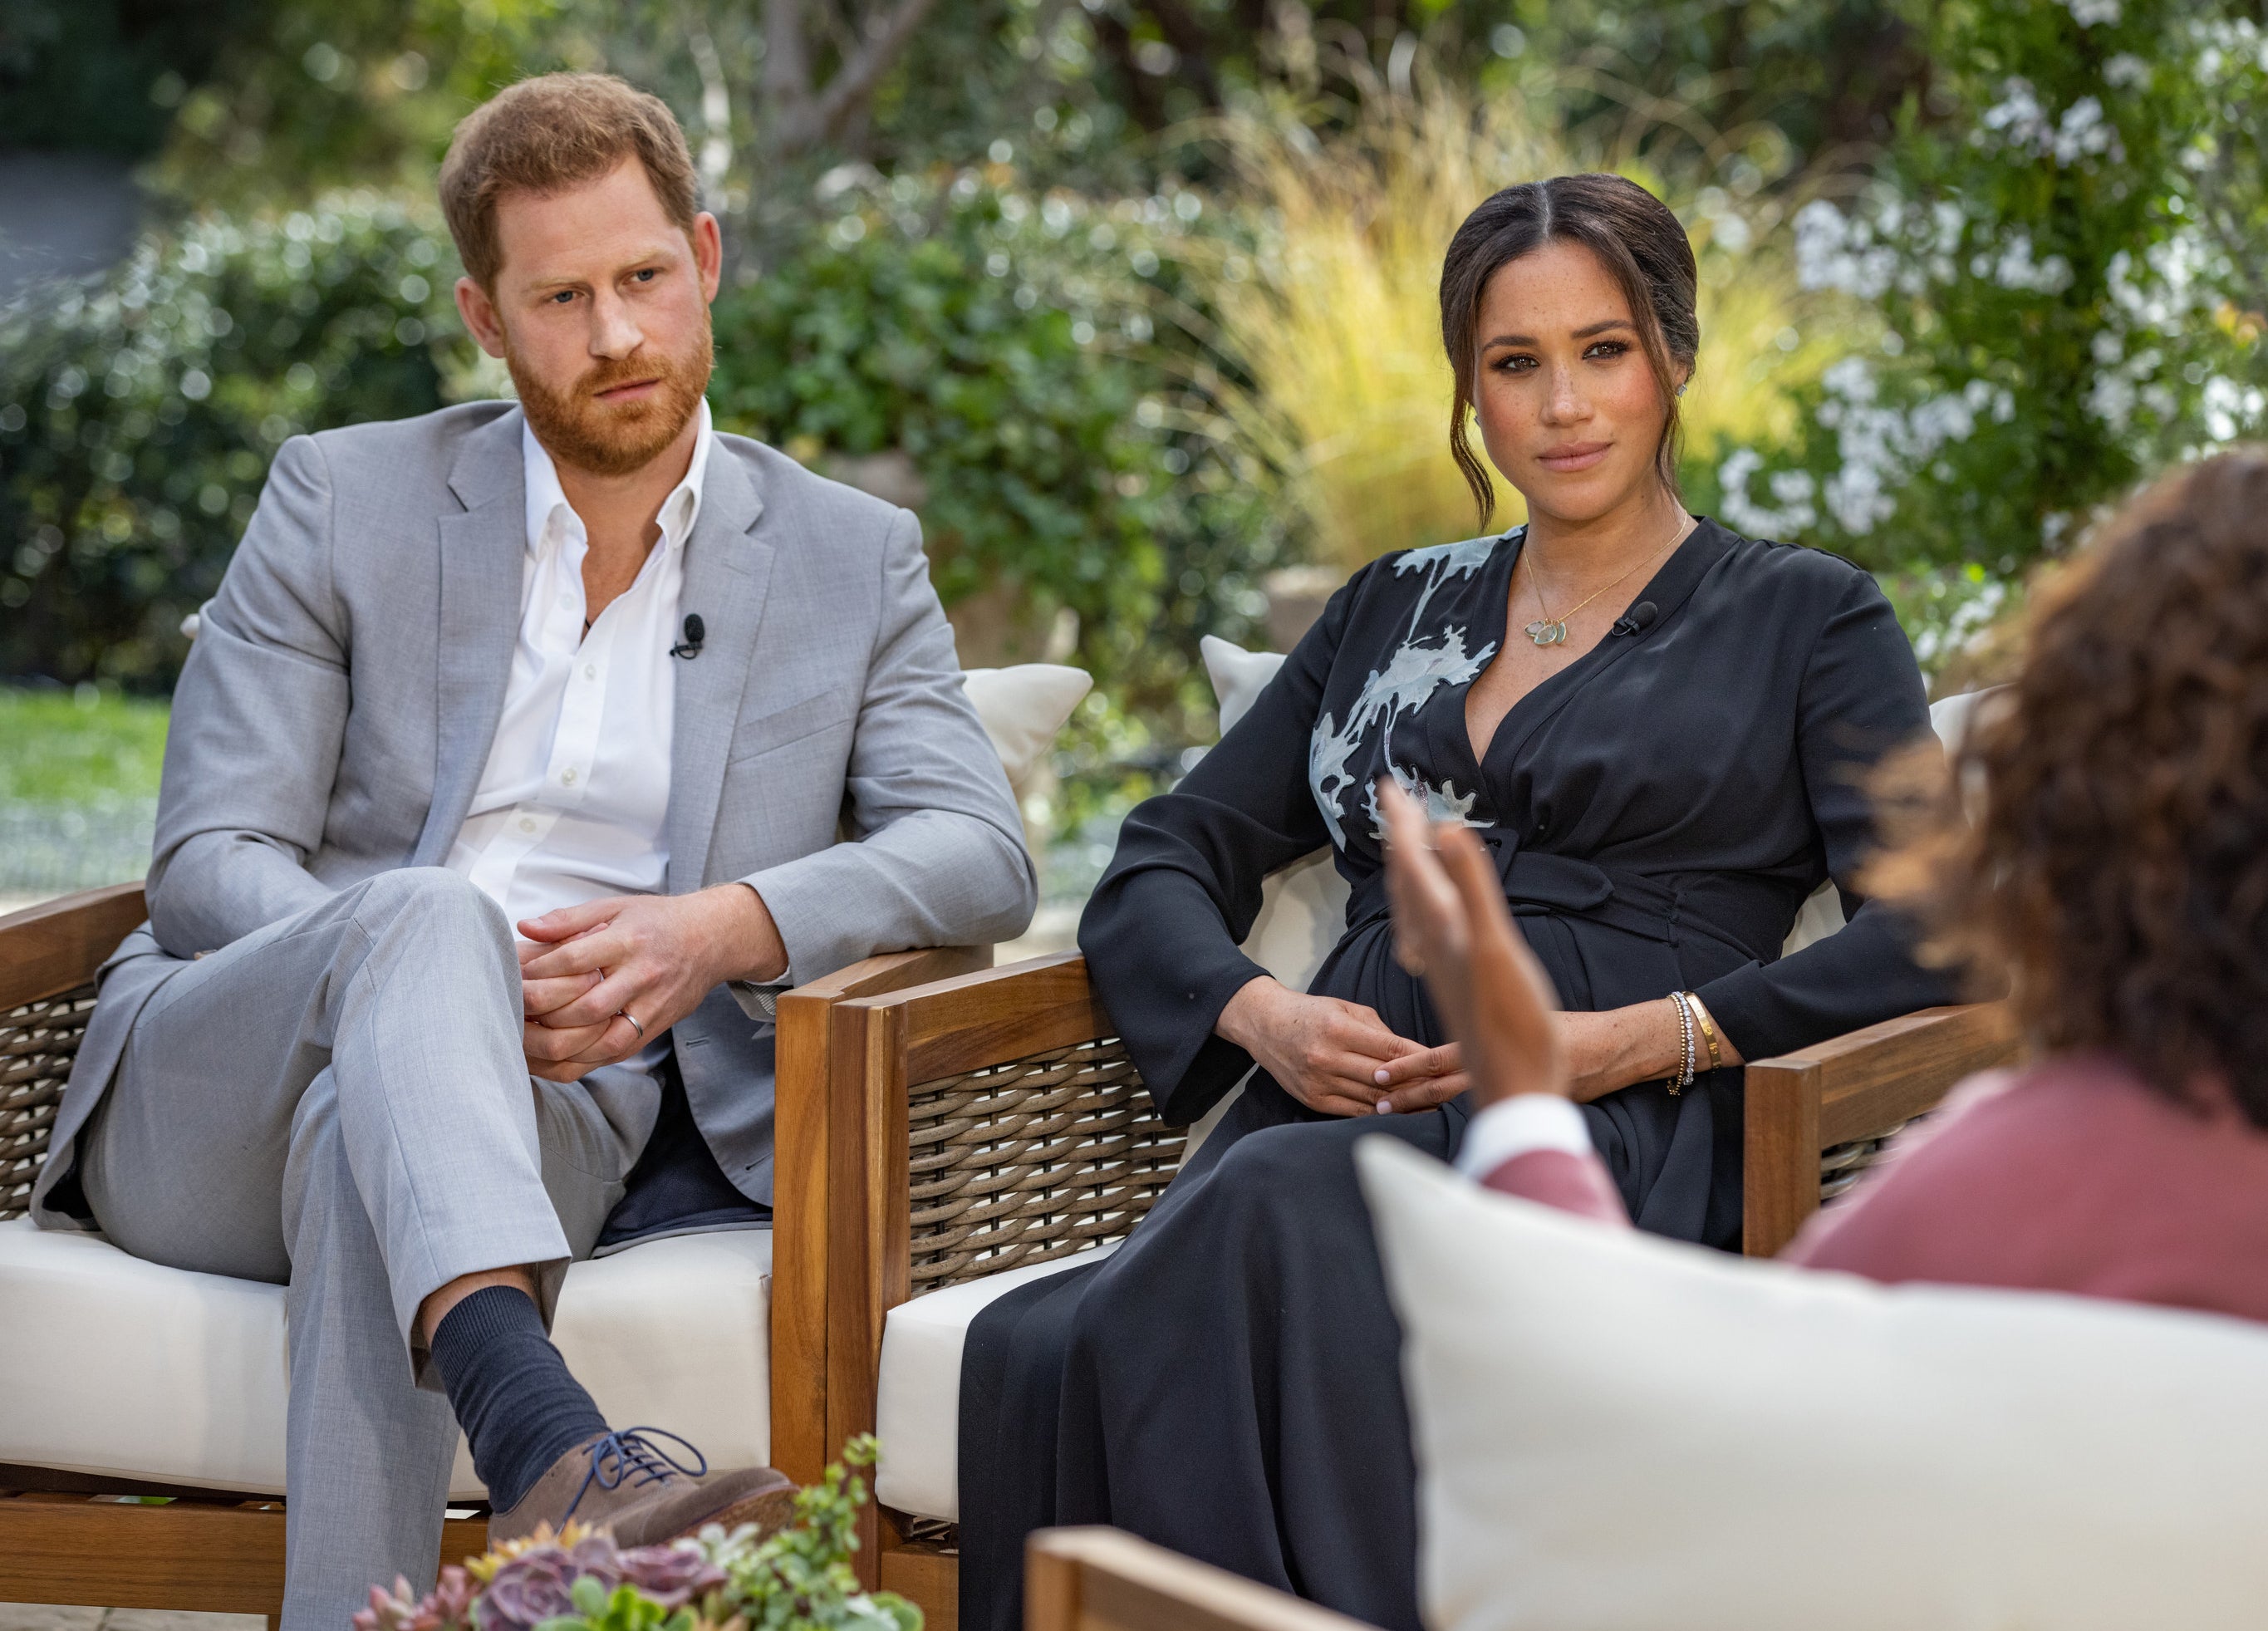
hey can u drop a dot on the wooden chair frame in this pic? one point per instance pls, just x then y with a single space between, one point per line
1813 1120
1107 1579
68 1539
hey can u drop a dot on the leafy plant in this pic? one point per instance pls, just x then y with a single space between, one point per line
1025 357
798 1579
2063 251
139 411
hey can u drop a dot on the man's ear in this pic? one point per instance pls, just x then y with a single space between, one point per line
707 254
479 314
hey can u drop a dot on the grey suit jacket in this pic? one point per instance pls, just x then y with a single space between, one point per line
336 714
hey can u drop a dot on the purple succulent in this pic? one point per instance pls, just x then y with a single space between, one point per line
672 1575
536 1586
447 1606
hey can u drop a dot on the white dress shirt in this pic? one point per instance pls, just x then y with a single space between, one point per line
1518 1124
573 802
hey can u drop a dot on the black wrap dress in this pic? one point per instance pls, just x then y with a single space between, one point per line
1227 1384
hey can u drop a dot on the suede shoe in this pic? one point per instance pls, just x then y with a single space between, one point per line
626 1483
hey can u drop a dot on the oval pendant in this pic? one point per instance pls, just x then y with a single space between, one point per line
1546 633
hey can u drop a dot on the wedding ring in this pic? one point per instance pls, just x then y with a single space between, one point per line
635 1026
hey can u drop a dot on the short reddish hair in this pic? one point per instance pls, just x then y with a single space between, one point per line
550 133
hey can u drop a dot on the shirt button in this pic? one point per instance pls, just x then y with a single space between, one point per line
590 670
567 777
528 823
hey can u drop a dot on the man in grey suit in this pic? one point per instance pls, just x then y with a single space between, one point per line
581 668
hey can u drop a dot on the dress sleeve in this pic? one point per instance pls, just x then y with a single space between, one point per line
1162 932
1862 697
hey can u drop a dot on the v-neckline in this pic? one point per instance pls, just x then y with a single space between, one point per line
1673 581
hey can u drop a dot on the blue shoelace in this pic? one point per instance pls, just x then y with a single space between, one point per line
631 1455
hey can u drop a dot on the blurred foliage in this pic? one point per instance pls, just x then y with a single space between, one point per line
104 76
1337 319
138 413
1028 355
2066 263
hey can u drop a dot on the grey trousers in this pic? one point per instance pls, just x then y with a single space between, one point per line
339 1102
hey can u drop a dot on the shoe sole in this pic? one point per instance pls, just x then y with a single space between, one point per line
771 1510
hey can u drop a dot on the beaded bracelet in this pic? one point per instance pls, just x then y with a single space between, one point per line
1684 1077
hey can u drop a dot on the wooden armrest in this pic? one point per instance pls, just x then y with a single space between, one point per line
801 1074
47 950
1106 1580
980 1019
1855 1087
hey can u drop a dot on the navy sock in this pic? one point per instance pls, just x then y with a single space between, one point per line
513 1395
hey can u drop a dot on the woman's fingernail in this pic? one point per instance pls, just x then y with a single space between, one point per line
1379 1076
1386 1107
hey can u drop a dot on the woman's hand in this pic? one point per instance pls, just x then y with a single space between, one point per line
1324 1053
1451 928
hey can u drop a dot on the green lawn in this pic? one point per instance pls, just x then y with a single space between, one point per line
85 746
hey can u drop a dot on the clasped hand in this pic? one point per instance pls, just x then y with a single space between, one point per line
584 968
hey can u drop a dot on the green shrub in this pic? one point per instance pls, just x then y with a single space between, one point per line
2067 259
1033 359
139 411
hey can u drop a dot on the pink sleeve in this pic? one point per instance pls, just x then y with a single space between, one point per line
1556 1177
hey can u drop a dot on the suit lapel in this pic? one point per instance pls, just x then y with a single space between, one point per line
484 550
727 574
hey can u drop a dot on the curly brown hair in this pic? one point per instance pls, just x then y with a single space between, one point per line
2112 860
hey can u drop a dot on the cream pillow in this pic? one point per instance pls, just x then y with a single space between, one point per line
1022 708
1618 1431
1303 907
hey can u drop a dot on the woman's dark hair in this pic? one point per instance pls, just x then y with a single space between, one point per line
1636 238
2113 864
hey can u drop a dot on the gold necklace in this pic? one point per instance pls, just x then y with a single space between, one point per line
1550 630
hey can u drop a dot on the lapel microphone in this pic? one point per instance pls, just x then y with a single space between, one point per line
1638 620
695 632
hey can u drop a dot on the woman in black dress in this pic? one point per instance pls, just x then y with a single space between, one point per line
1658 729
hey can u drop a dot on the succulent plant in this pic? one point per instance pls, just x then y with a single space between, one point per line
672 1574
448 1607
539 1585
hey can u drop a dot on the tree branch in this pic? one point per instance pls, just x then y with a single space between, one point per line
787 67
856 80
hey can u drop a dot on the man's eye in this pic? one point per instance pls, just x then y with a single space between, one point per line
563 297
645 275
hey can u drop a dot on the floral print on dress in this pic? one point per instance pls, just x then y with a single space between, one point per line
1425 660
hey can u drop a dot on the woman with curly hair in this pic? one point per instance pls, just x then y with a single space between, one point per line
2101 843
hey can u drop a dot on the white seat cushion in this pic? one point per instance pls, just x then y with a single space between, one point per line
123 1368
1620 1433
917 1413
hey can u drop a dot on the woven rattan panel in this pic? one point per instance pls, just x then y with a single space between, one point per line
37 1043
1030 1160
1842 1166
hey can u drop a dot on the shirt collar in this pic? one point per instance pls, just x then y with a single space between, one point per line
678 513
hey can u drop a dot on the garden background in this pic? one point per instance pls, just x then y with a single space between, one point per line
1133 301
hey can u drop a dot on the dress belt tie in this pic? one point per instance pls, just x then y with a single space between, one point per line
1537 883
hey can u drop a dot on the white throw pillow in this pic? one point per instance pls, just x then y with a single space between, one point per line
1022 708
1615 1431
1303 907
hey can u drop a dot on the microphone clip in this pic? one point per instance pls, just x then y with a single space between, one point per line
690 647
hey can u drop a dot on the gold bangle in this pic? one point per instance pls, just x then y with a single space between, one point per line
1708 1030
